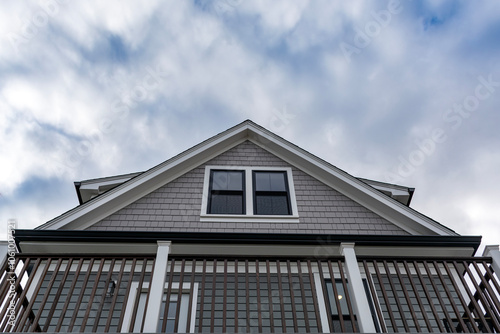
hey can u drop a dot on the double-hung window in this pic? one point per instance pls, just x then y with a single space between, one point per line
249 194
271 195
227 192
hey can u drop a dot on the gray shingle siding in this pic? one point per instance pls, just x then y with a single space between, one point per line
177 205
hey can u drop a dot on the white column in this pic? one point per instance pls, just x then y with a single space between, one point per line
494 252
157 287
356 289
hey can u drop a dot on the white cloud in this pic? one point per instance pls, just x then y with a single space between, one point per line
277 17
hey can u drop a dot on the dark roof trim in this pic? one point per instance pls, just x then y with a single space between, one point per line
249 238
77 188
411 191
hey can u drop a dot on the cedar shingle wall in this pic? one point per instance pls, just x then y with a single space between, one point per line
176 206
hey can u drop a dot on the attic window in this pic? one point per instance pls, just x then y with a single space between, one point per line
252 194
271 195
227 195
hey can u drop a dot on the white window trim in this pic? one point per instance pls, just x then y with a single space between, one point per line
134 293
249 216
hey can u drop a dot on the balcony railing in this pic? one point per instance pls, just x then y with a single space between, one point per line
242 295
69 294
438 295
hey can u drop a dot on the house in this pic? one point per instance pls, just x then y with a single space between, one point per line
246 232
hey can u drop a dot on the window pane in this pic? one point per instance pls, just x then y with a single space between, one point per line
226 204
277 181
170 326
172 309
262 182
140 312
272 205
183 320
270 181
222 180
280 205
263 205
333 305
341 296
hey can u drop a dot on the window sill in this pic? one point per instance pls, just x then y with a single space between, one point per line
249 218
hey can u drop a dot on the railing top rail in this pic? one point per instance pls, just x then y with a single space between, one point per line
254 257
424 258
179 256
85 256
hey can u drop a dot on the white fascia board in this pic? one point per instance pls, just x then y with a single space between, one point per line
392 190
384 185
386 207
91 212
91 188
399 193
98 185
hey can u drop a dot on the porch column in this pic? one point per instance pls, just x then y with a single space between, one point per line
157 287
356 289
494 252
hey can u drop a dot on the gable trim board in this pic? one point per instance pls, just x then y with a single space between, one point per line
400 193
88 189
98 208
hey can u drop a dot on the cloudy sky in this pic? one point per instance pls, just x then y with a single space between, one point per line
406 92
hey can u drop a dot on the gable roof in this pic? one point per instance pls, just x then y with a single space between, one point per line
138 185
88 189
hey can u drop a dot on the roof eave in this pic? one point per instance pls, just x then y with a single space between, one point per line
248 238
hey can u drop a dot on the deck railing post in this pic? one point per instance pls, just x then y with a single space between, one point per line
157 287
494 252
357 290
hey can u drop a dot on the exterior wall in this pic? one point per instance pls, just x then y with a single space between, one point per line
177 205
